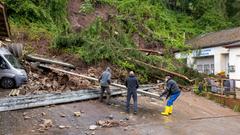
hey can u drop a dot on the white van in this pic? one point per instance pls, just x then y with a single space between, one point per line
12 75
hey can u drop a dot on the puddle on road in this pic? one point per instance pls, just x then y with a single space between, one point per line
167 119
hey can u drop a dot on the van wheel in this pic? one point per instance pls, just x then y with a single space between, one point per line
8 83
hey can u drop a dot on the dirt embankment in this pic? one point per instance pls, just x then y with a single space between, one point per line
80 20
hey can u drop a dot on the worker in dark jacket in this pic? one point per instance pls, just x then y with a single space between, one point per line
105 81
172 91
132 86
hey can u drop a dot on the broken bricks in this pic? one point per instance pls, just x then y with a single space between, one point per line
77 114
63 127
27 117
93 127
47 123
40 80
111 123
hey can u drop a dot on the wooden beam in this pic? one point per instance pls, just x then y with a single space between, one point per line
45 60
31 101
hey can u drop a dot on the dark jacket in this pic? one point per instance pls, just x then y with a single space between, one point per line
171 88
132 83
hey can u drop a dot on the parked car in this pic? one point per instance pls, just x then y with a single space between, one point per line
12 74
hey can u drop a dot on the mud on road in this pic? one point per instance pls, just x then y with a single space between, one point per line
192 115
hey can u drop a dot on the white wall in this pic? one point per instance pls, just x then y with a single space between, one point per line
203 55
234 60
220 56
220 59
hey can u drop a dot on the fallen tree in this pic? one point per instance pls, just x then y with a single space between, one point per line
149 51
161 69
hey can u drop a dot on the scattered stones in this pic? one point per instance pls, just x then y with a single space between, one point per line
77 114
62 115
25 113
93 127
27 117
41 130
47 123
110 117
101 122
61 126
43 113
126 118
111 123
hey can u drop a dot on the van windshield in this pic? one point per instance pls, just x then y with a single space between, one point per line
13 61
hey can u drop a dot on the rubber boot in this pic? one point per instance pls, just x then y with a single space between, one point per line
166 111
108 99
101 98
170 110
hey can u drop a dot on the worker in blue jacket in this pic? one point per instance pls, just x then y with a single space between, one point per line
105 81
132 86
172 92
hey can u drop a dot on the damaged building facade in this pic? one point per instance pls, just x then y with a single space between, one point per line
215 53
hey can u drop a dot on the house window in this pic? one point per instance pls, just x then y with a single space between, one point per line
212 68
199 68
206 69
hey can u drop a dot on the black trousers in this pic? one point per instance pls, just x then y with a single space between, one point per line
108 95
132 94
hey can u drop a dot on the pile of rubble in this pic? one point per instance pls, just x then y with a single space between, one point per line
111 123
40 80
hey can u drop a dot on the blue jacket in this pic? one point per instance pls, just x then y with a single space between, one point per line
132 83
105 78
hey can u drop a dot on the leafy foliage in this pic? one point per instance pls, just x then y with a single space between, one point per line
50 15
87 7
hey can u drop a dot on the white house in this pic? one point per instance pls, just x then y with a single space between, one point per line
217 52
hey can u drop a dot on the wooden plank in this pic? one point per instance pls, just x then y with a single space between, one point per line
140 91
45 60
24 102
